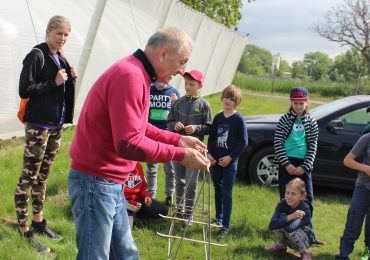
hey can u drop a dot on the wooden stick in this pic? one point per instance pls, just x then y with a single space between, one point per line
192 221
191 240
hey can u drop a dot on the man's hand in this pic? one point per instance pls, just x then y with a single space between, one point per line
195 160
192 142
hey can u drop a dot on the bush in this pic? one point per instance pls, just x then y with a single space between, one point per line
321 88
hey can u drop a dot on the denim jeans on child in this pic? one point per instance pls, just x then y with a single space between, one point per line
357 211
223 181
100 216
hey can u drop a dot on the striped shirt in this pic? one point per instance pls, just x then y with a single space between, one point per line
284 127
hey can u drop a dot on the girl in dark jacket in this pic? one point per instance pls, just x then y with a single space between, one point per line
48 82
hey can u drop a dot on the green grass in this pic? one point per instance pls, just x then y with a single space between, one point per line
253 207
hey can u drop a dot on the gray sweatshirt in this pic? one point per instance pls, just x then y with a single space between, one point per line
191 111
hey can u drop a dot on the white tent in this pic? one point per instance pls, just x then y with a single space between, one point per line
102 32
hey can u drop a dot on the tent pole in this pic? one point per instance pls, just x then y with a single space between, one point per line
89 41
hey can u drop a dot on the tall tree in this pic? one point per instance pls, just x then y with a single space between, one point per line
226 12
255 61
298 69
316 64
349 66
349 25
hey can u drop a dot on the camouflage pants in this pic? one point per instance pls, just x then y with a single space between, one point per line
40 150
296 240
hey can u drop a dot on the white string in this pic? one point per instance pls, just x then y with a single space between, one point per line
34 30
133 19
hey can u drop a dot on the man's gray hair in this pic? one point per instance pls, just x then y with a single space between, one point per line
172 36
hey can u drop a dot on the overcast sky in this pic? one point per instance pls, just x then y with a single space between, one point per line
283 26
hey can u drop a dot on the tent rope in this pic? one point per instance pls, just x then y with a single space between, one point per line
133 19
33 25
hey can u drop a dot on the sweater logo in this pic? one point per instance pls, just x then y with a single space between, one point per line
132 181
222 135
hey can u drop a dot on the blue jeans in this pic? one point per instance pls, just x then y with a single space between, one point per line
223 181
357 211
100 216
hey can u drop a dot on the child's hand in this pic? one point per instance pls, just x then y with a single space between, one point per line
138 206
178 126
173 97
299 171
290 169
211 159
190 129
296 214
224 161
148 201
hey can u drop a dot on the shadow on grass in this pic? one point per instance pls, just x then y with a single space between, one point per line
9 223
259 252
333 195
325 256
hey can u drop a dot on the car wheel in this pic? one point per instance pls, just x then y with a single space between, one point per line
263 169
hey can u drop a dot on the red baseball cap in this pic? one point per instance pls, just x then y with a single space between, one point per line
197 75
298 93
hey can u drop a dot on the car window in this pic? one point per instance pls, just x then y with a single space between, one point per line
328 108
355 121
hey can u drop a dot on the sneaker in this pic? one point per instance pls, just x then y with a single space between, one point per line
222 233
179 214
189 219
168 201
216 222
275 248
365 255
42 229
40 247
305 255
318 243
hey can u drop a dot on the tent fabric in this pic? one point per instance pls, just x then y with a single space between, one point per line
104 31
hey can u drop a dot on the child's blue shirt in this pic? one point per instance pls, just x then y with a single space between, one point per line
228 136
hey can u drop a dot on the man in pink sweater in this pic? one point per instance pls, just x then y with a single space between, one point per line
113 133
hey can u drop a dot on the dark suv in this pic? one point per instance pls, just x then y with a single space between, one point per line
340 124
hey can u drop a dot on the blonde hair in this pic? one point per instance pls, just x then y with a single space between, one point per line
234 93
56 22
298 184
172 36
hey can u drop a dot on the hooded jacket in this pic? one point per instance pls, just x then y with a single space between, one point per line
37 83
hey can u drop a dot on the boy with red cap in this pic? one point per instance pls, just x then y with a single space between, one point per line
189 115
